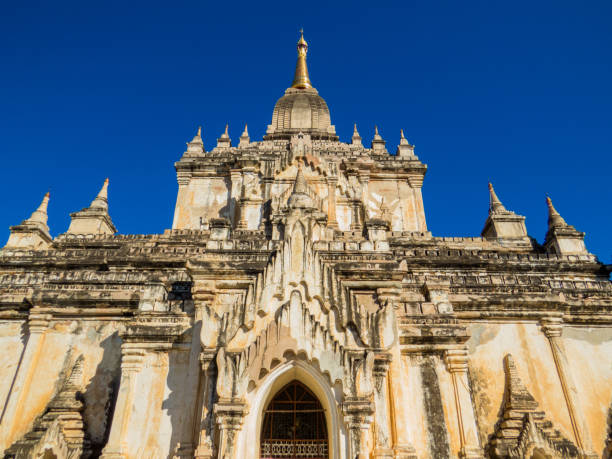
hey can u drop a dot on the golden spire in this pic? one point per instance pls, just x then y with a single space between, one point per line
301 80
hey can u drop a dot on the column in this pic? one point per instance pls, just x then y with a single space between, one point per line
242 217
204 421
230 415
183 179
132 358
331 202
356 223
358 416
398 402
382 433
234 198
12 414
553 328
456 363
402 440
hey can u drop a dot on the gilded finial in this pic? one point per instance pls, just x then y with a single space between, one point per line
301 79
199 131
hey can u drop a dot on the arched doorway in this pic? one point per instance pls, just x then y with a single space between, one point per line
294 425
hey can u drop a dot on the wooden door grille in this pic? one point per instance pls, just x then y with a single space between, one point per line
294 425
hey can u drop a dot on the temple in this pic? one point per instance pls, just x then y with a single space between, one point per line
300 308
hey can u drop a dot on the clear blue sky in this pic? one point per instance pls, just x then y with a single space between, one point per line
519 93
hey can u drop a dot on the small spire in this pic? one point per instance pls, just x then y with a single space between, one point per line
196 145
404 148
377 142
300 198
495 205
197 139
40 214
101 201
301 79
356 139
300 185
244 138
224 141
554 219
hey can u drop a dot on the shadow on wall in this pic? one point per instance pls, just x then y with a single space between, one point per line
182 383
101 394
24 337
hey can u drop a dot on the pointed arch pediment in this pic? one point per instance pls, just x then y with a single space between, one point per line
316 182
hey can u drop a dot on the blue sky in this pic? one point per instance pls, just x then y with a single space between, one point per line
518 93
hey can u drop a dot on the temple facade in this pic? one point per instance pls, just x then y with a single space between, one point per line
299 308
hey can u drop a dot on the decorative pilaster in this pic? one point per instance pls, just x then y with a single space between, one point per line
382 434
398 404
358 413
204 423
553 328
132 358
332 181
235 191
356 221
457 364
230 414
38 322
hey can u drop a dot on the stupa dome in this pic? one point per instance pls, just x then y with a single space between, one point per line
301 109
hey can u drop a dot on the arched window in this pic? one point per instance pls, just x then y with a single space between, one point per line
294 425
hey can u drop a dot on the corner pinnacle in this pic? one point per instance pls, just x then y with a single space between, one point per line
101 201
40 214
495 205
554 218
